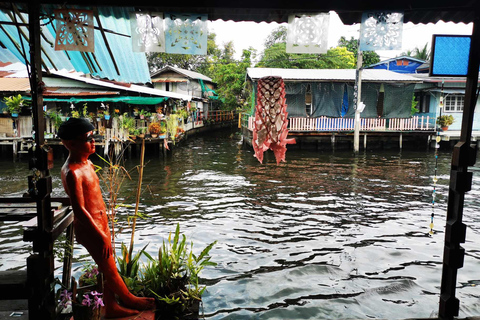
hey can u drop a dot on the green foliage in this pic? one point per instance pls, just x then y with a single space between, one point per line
14 103
56 118
414 109
182 113
145 113
418 53
128 123
172 125
335 58
128 268
369 57
157 60
445 120
278 35
173 278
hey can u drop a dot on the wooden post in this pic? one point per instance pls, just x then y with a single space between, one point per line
400 141
365 141
40 266
460 182
358 91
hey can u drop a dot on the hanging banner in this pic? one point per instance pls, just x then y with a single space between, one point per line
308 33
147 32
381 30
186 33
74 30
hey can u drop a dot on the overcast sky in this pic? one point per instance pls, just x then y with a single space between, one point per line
246 34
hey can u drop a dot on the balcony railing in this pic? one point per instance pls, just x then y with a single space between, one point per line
347 124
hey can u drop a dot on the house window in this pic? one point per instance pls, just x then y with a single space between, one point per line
454 102
167 86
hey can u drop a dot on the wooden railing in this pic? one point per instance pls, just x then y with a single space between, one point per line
347 124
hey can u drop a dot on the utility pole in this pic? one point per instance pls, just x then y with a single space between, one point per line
357 95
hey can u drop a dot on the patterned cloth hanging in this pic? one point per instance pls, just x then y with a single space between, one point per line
308 33
270 127
186 33
147 32
381 30
74 30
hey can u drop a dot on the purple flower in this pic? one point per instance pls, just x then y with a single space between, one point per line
87 301
98 302
65 298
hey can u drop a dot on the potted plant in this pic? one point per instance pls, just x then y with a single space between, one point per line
145 114
14 104
56 118
141 132
173 278
106 114
445 121
155 129
85 298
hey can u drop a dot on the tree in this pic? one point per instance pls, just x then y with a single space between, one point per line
159 60
369 57
422 54
277 57
230 79
278 35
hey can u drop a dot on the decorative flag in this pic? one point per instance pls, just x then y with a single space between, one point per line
186 33
147 32
308 33
74 30
381 30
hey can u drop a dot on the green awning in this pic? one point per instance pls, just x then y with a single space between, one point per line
125 99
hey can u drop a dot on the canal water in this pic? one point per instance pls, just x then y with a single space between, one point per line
325 235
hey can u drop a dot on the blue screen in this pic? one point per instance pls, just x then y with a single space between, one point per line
450 55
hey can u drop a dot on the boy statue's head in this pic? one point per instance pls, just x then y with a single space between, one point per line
77 132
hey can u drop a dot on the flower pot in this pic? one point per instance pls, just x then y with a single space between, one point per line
107 117
81 312
162 136
14 115
154 135
445 128
141 135
142 116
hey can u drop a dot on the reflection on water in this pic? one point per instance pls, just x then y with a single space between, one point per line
325 235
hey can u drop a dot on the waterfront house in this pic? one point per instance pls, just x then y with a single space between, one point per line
428 93
178 80
322 99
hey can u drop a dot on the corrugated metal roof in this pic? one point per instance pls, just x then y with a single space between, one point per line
187 73
132 88
132 66
368 75
15 84
71 92
159 80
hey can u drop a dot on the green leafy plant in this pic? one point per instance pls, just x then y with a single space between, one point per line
173 278
445 120
14 103
56 118
172 124
182 113
414 109
145 113
128 268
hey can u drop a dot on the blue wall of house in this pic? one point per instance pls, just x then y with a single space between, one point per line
392 66
434 108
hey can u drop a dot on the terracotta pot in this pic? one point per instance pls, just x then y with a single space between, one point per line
445 128
154 135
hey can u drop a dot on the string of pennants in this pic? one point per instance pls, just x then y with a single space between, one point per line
186 33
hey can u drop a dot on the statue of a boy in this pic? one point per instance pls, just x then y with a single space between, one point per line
91 226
